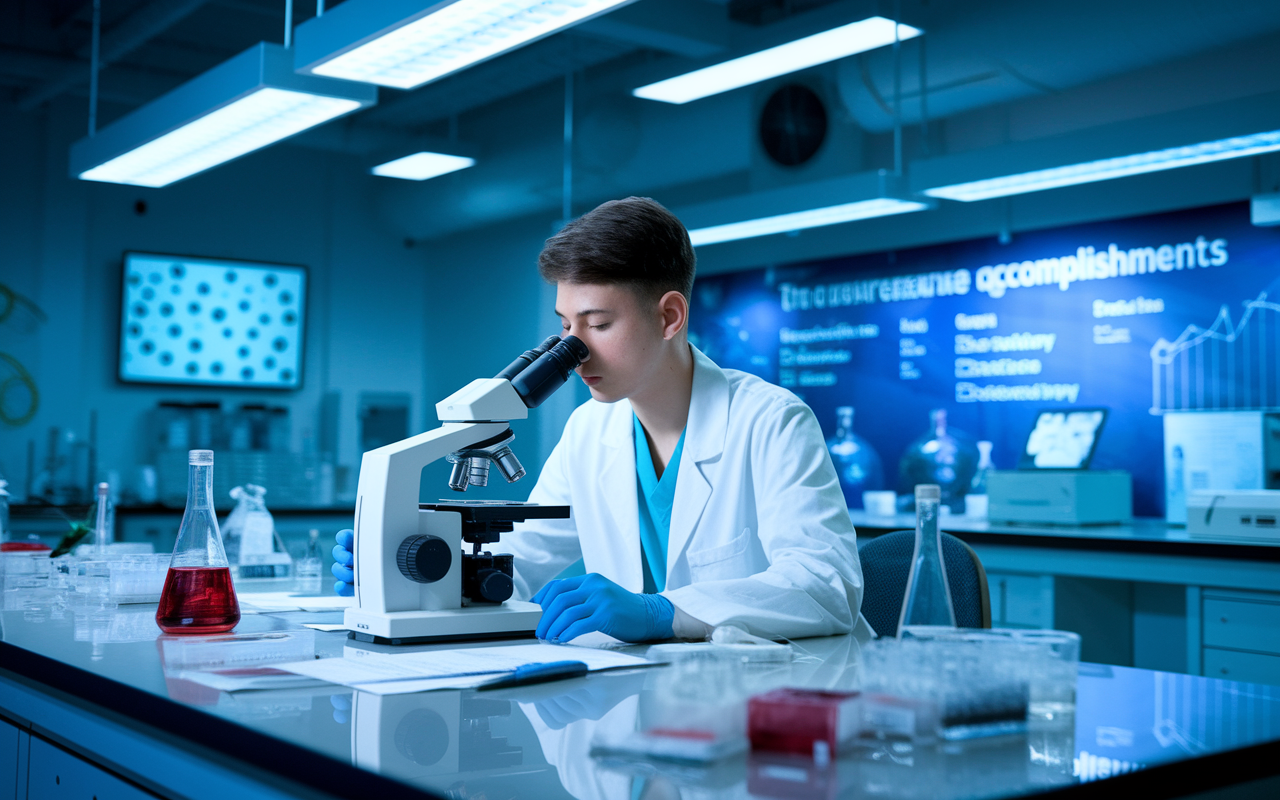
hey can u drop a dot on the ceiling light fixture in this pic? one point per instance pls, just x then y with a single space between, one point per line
799 220
244 104
1109 168
846 40
406 43
421 166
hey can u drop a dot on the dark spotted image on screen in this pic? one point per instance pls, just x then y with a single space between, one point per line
215 313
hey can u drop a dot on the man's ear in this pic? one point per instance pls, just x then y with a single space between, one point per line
674 309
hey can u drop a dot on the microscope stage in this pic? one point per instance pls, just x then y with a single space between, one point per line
510 620
497 510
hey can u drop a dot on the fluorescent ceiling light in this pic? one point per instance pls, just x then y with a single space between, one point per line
799 220
856 37
406 43
421 166
1108 168
242 105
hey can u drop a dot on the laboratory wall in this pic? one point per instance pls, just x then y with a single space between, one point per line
416 288
61 243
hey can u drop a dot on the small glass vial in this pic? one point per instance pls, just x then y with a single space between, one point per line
198 595
928 597
311 566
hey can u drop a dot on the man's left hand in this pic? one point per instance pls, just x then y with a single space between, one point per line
586 603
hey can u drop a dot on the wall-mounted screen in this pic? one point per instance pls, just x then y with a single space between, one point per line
1147 315
211 322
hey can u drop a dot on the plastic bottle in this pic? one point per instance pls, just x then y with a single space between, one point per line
254 548
198 595
928 597
856 463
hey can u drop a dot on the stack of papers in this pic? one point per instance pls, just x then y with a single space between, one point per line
402 673
273 602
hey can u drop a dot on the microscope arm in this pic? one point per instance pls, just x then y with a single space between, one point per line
390 478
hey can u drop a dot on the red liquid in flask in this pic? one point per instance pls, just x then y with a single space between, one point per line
198 600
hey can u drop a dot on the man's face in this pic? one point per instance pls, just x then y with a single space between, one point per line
623 333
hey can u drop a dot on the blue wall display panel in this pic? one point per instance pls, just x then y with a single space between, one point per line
1145 315
211 322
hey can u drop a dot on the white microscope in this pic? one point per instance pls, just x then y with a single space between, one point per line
413 582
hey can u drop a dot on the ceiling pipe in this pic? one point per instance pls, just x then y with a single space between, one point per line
141 27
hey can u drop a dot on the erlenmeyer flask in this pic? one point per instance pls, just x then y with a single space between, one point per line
928 597
198 596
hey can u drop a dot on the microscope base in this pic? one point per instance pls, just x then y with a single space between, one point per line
510 620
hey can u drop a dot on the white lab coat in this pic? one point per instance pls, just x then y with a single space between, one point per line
760 534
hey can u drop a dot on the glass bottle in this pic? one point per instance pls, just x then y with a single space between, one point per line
198 595
4 511
943 456
979 483
857 463
928 596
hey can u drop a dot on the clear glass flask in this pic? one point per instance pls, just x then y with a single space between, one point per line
928 597
857 463
942 455
198 595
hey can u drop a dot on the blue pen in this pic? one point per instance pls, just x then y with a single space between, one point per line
538 673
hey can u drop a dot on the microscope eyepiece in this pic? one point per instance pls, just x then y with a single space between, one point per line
540 379
527 357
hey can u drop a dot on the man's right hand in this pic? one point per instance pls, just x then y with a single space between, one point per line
344 561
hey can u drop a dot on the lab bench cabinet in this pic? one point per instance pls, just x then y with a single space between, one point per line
1144 595
34 769
55 774
12 741
1240 635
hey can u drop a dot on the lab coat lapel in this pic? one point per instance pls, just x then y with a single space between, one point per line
704 437
618 490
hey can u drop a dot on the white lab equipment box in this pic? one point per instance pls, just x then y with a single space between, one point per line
1234 513
1216 450
1060 497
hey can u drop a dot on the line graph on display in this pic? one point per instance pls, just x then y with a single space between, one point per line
1226 366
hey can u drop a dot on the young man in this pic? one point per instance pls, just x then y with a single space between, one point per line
701 497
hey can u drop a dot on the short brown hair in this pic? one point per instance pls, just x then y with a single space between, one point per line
635 242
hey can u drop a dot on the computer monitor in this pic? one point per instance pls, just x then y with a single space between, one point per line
1063 439
211 322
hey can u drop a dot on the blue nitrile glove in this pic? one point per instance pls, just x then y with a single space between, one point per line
344 563
594 698
341 708
585 603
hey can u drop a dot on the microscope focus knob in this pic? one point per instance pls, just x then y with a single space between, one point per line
495 586
424 559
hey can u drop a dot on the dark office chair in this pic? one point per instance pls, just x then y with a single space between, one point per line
886 562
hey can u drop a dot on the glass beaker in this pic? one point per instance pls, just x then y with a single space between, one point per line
856 463
198 595
928 596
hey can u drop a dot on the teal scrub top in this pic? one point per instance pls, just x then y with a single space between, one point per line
655 499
